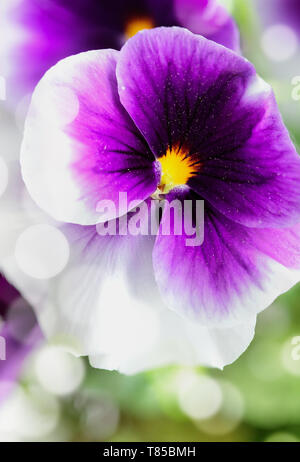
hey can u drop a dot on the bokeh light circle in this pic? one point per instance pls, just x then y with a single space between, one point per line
99 416
279 42
27 414
229 415
199 396
42 251
57 371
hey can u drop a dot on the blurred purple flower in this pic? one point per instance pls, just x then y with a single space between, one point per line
107 121
19 334
46 31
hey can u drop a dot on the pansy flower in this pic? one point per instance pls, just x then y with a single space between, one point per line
38 34
171 115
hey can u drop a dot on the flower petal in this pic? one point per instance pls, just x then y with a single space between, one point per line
185 343
210 19
105 276
236 273
80 146
183 90
227 35
106 304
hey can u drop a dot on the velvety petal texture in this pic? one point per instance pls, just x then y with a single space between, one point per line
80 146
235 273
184 91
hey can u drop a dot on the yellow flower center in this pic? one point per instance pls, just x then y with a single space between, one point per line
176 169
137 24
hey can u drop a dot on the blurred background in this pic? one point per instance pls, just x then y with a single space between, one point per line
61 398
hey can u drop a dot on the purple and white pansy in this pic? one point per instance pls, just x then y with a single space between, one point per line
171 115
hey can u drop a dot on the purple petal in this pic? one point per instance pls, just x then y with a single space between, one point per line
255 181
80 146
235 273
183 90
210 19
228 35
